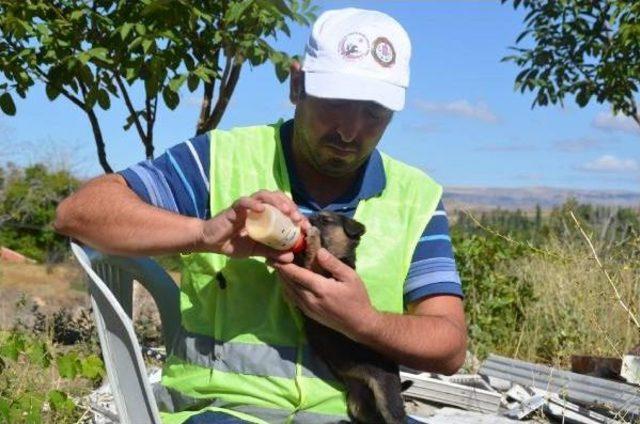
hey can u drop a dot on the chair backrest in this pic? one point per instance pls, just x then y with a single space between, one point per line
110 284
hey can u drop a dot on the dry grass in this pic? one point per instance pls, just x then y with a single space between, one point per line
575 309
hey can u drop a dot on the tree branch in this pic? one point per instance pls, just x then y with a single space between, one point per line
226 90
634 112
132 111
97 133
155 108
205 108
148 141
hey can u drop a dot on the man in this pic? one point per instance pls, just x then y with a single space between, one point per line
242 354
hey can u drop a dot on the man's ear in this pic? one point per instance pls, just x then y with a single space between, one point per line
296 82
353 228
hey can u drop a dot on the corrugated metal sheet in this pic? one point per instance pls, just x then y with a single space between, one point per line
591 391
436 390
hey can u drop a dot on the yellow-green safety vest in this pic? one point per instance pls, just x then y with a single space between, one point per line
243 349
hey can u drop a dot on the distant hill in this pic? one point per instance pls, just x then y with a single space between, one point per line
527 198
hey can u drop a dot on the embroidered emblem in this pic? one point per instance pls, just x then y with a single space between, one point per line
383 52
354 46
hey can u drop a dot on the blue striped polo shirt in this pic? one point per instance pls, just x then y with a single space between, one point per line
178 181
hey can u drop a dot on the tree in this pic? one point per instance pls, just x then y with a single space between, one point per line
587 48
28 200
91 52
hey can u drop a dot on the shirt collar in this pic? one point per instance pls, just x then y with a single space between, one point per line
370 182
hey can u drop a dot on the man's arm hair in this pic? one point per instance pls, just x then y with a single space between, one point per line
107 215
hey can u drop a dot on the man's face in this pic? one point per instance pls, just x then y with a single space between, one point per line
337 136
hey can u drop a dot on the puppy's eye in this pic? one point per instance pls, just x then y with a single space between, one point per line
325 219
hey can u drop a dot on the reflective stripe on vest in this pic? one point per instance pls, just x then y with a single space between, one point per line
248 358
270 415
243 345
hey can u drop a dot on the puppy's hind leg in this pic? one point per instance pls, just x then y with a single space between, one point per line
361 403
381 397
386 388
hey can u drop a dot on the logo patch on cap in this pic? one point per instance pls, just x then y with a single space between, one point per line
383 52
354 46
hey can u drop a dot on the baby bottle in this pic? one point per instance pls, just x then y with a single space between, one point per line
274 229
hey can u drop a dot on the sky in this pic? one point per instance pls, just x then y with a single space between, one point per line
463 123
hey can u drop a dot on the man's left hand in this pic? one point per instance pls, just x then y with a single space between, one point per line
341 302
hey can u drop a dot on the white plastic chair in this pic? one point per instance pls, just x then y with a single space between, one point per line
111 289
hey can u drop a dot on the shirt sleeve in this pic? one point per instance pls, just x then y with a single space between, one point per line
177 181
433 267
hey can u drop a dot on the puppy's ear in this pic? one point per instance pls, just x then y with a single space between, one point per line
353 228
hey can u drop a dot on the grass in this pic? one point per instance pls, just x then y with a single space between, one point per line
576 302
575 311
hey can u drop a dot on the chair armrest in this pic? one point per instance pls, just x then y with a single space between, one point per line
156 280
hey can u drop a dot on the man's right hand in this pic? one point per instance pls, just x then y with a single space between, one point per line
225 233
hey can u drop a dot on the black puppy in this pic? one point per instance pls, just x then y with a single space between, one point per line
372 381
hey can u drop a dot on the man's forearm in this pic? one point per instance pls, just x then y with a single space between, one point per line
107 215
424 342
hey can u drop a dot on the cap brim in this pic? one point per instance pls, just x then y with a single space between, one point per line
353 87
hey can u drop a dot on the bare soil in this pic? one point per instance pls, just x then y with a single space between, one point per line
51 288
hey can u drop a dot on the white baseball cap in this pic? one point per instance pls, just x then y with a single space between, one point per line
358 54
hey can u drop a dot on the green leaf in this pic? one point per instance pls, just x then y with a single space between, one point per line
171 98
60 402
130 74
192 82
68 365
7 105
76 14
125 29
583 96
31 407
235 10
91 98
99 52
146 45
282 72
202 73
177 82
92 367
86 75
52 92
281 5
141 29
39 354
103 99
84 57
135 43
151 85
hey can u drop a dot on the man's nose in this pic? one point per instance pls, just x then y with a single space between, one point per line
350 123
